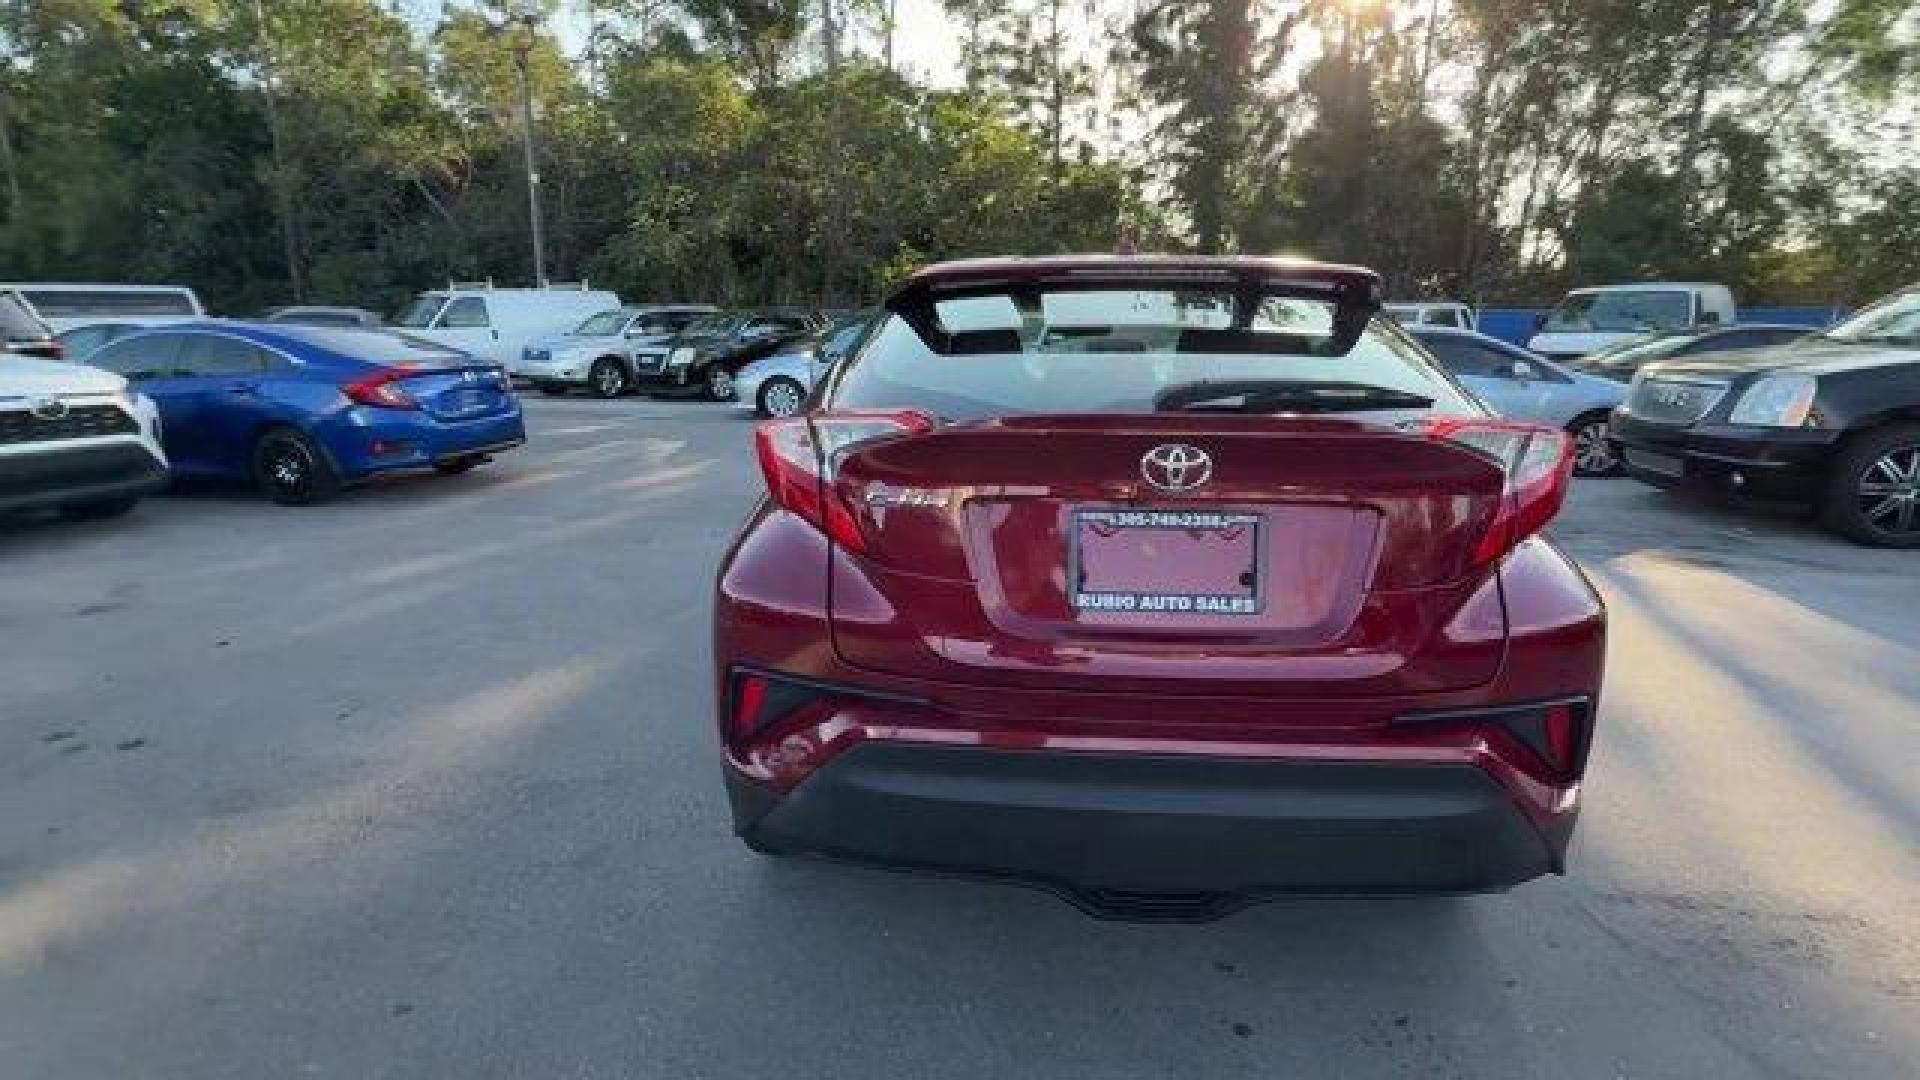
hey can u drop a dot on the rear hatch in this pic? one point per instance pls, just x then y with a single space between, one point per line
457 392
1305 556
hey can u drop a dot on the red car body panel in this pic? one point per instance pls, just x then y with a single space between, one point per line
772 608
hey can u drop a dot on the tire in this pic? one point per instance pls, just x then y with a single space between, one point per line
289 469
1593 454
456 466
781 396
1873 490
551 389
607 378
96 511
719 383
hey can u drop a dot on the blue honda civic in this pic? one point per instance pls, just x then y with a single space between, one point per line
304 410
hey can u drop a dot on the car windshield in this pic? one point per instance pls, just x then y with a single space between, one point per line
1892 321
17 322
419 315
1617 312
1136 351
604 324
712 325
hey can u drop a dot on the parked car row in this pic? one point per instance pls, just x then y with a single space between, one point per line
1831 421
669 350
299 411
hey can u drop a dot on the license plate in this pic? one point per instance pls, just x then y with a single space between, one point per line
1656 463
464 401
1165 562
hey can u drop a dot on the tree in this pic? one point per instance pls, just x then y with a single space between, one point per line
1204 63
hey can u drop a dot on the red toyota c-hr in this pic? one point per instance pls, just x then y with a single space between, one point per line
1168 583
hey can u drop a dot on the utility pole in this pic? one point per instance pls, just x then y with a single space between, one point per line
528 18
282 177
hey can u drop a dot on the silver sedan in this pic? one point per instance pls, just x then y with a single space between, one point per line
779 385
1524 386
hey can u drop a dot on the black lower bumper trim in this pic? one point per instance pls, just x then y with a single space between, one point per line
77 476
1139 836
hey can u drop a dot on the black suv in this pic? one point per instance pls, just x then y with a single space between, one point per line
704 358
1832 421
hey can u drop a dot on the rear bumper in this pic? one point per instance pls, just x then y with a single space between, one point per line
1121 832
71 476
1787 464
392 440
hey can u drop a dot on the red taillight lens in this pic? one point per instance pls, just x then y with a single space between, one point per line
799 456
1561 731
381 390
1558 733
1538 462
749 702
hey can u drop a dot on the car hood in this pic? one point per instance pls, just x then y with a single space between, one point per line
1808 357
567 342
22 376
1580 343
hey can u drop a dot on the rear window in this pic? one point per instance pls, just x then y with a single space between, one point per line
373 346
1120 352
91 303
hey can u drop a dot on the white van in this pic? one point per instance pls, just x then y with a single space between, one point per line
1589 320
497 325
64 305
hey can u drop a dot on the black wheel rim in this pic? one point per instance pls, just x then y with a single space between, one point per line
608 381
782 399
1591 451
720 383
287 468
1889 492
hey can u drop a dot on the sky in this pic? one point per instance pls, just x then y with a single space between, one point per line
926 45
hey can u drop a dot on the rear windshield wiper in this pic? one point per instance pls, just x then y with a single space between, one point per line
1283 395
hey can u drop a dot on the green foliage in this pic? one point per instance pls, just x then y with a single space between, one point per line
338 150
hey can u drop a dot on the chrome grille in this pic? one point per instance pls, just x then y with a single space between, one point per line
1673 401
77 422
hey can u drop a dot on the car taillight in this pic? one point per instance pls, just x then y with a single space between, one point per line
1538 463
800 457
382 390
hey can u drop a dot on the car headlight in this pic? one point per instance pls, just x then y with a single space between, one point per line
1776 401
680 357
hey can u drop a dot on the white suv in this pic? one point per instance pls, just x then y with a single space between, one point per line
75 439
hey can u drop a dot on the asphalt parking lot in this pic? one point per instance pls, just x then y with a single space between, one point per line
422 783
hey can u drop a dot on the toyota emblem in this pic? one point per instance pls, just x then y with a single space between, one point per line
1176 467
47 408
